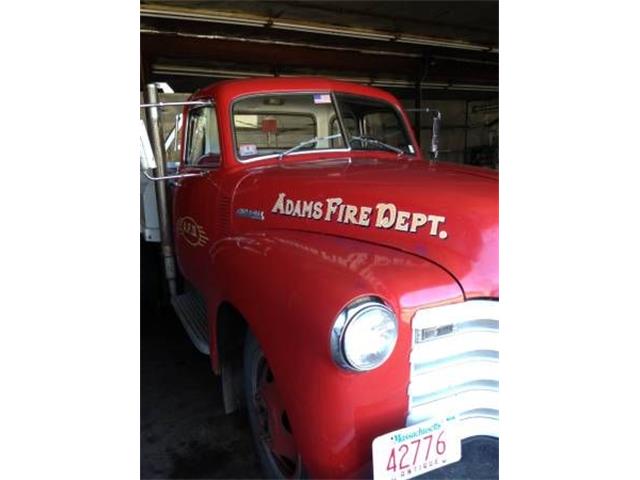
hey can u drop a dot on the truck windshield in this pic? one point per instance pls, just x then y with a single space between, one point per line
372 124
292 123
266 125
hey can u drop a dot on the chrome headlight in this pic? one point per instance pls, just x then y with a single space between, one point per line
364 335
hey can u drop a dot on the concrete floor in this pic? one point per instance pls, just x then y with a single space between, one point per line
184 432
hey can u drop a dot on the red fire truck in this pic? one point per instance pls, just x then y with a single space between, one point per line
344 286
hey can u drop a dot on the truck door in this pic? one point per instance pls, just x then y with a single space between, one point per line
194 198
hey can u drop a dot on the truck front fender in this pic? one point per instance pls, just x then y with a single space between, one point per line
290 286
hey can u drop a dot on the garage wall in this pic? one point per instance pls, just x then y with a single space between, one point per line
449 50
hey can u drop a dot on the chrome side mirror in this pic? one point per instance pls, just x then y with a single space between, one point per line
435 137
147 159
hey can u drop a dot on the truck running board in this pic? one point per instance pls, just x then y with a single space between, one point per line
192 311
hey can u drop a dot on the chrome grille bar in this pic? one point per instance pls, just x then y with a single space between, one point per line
454 366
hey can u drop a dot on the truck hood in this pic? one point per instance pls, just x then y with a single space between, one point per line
444 213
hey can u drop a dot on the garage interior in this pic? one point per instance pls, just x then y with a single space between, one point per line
441 55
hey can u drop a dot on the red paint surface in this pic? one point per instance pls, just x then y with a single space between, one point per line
291 276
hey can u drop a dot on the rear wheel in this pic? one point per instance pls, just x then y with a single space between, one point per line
272 434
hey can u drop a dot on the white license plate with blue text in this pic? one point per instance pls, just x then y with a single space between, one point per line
415 450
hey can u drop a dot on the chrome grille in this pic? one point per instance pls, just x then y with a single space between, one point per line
454 366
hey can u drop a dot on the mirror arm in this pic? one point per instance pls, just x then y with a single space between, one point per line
171 177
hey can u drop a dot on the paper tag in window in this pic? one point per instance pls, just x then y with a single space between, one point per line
248 149
321 98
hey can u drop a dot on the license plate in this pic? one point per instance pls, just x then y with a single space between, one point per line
414 450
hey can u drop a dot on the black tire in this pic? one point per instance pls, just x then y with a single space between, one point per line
257 377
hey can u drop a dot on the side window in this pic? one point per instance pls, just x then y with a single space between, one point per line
203 144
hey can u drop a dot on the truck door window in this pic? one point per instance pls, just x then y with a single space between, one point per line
202 136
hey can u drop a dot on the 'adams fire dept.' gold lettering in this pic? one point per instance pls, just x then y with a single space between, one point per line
383 215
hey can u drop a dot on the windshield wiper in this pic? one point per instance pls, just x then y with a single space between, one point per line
375 141
308 142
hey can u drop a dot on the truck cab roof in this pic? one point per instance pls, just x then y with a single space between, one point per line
230 89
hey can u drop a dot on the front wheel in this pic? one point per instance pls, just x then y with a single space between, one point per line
272 434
